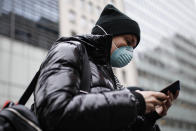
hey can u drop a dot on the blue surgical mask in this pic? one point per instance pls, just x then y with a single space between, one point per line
121 56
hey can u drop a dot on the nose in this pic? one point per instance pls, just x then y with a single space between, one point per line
130 49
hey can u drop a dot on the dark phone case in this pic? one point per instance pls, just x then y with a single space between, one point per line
172 88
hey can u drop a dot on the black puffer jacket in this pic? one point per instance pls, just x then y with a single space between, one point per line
107 106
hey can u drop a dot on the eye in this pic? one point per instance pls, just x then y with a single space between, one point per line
131 42
128 42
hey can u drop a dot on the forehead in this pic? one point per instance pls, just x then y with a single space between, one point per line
130 36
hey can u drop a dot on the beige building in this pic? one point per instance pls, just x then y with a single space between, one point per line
166 53
79 17
24 43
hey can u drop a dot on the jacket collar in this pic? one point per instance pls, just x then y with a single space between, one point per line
98 47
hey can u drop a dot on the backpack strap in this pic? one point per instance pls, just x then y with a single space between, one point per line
84 86
26 95
86 73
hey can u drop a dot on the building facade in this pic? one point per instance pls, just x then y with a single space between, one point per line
166 53
27 30
79 16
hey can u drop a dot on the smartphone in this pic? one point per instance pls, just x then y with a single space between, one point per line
173 88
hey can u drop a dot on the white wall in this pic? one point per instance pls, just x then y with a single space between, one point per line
19 62
131 74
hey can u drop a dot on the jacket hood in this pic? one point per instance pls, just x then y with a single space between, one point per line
97 46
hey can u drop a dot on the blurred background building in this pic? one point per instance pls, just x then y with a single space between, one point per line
166 52
27 29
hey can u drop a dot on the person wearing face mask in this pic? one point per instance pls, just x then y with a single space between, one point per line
107 105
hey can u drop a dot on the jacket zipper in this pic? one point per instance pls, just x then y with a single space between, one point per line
110 73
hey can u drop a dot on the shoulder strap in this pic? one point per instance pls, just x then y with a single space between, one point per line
84 86
26 95
86 73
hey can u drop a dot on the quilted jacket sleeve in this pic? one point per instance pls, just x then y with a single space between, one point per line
145 122
59 107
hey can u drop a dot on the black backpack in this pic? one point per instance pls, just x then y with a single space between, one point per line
17 117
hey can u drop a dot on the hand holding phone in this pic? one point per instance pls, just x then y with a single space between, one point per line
173 88
173 93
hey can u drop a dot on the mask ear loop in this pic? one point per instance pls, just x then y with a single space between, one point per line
115 45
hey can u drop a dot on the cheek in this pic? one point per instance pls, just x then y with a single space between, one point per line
122 42
112 49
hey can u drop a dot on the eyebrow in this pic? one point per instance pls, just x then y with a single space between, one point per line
132 39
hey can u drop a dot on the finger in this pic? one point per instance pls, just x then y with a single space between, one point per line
156 101
164 109
160 95
164 112
150 108
159 109
168 103
164 101
171 97
176 95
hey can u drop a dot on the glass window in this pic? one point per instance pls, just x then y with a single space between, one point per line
82 3
6 5
98 10
33 19
70 1
84 22
72 16
90 7
124 76
92 24
73 33
113 2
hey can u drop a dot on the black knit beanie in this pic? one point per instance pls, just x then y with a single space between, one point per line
114 22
